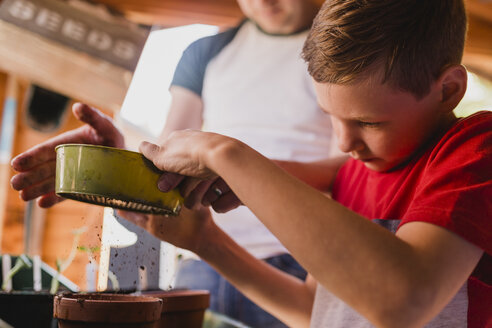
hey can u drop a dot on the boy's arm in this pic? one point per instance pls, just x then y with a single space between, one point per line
319 175
391 280
402 280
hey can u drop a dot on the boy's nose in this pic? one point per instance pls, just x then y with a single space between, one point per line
348 140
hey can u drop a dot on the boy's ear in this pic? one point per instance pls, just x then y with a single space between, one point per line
452 84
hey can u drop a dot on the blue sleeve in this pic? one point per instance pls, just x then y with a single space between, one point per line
191 67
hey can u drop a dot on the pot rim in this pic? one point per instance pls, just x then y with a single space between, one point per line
107 308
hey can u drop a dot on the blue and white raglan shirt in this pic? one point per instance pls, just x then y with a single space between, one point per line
255 87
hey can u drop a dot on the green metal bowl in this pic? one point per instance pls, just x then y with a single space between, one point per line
112 177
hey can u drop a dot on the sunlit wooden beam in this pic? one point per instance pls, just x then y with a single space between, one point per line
62 69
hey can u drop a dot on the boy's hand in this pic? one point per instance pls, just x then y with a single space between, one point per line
37 165
197 193
214 192
181 155
218 195
189 230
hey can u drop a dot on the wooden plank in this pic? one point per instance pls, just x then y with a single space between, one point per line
479 38
9 119
176 13
61 219
12 235
480 64
62 69
34 223
171 18
478 48
119 42
58 237
480 8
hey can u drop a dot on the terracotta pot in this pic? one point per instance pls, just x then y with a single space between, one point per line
182 308
27 308
106 310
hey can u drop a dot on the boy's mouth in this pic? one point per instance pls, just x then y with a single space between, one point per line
363 159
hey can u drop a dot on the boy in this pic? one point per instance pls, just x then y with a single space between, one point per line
389 75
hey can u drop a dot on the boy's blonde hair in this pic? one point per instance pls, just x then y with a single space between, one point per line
413 40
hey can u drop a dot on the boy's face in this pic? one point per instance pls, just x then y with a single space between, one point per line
379 125
280 16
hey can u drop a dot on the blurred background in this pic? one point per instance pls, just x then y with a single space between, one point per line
119 56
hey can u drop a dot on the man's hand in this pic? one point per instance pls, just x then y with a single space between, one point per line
188 230
36 166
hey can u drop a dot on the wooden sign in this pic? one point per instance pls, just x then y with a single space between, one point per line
115 42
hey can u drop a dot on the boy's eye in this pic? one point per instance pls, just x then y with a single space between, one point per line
369 124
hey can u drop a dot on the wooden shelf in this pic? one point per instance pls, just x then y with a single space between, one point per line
62 69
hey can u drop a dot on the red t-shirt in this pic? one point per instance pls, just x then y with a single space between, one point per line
449 185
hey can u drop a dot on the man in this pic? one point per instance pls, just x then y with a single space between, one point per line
250 83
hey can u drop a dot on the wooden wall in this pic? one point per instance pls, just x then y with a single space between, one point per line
478 49
58 67
168 13
56 237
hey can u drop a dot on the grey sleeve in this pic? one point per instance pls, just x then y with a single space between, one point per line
190 70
